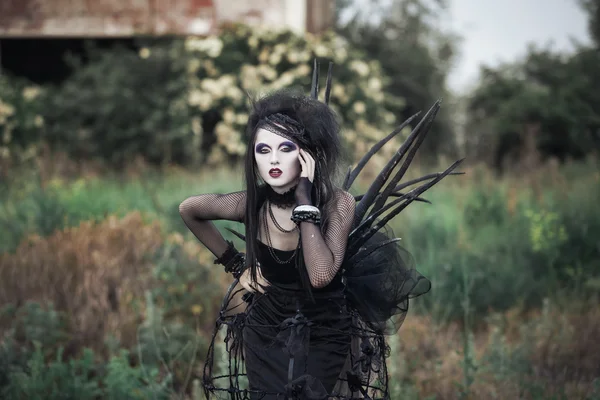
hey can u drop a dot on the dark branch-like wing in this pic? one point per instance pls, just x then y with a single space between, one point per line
421 179
421 130
236 233
384 175
328 83
366 229
314 87
364 252
353 173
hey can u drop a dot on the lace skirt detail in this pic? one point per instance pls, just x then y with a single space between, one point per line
282 345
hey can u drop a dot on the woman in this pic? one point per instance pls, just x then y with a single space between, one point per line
317 310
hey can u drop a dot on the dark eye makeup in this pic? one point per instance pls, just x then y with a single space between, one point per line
263 148
291 146
260 147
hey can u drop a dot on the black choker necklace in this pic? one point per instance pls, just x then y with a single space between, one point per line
281 200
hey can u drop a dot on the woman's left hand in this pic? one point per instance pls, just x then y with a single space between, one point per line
252 286
307 163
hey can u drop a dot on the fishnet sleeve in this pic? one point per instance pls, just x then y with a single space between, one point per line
198 212
323 254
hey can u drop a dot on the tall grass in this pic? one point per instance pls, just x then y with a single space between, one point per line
513 311
517 238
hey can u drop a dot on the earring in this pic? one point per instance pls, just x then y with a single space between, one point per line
318 197
318 187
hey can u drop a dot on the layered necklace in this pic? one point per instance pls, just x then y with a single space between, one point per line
268 209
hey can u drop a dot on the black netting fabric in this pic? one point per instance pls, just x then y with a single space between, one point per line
282 345
381 281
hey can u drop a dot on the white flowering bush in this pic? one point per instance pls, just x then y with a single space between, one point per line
21 122
242 59
185 101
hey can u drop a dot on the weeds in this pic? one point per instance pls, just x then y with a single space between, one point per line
104 293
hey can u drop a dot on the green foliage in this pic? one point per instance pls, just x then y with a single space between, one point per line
30 209
179 276
592 7
82 378
184 100
184 302
33 323
55 380
514 248
169 344
519 362
21 123
485 244
125 382
33 363
121 105
547 91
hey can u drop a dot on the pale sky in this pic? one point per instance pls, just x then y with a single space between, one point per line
499 30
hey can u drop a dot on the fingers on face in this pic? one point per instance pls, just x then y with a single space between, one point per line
302 156
307 163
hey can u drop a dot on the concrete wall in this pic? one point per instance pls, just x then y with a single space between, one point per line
123 18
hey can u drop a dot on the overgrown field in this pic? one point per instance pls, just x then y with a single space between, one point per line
104 294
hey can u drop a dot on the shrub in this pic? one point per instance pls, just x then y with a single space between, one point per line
92 273
120 106
83 378
30 209
243 59
184 100
506 242
547 354
119 284
21 121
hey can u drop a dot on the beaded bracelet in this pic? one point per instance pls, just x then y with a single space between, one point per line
233 261
306 207
306 216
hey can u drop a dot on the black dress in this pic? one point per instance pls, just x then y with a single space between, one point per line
291 343
287 345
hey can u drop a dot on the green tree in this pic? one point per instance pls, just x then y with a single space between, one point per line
548 94
592 7
405 37
547 100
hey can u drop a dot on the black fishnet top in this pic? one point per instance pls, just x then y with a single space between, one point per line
323 254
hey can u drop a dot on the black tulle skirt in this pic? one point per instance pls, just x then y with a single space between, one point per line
287 344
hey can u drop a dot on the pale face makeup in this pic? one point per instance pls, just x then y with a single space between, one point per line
277 160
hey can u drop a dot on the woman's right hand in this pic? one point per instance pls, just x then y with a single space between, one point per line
257 286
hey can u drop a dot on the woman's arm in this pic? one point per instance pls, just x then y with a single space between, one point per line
198 212
323 254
